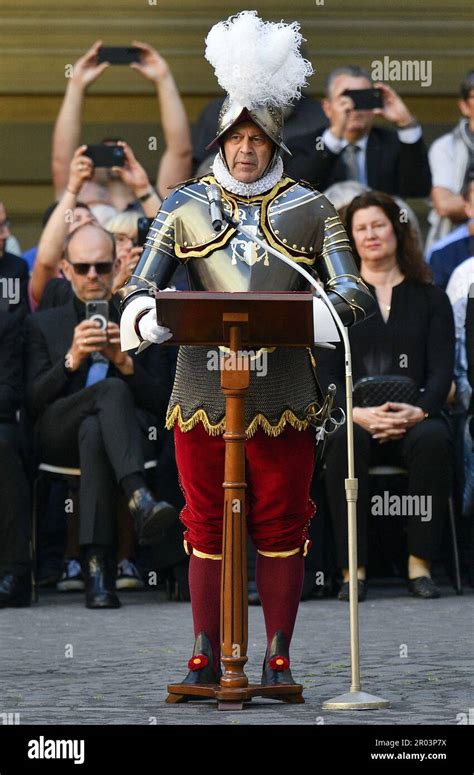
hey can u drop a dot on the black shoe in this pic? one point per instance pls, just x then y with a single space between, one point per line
15 591
201 664
152 518
423 586
253 596
276 665
99 569
361 590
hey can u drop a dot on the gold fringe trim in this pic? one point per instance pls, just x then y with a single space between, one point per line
204 556
289 553
187 425
274 430
288 417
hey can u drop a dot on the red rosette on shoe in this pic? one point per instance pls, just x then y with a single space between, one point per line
279 663
198 662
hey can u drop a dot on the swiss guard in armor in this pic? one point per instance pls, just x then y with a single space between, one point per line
260 67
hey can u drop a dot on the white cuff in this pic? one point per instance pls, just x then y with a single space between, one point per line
410 134
128 336
325 329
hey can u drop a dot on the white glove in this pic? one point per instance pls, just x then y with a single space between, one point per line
128 336
151 331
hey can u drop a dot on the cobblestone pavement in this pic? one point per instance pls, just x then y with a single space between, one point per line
64 664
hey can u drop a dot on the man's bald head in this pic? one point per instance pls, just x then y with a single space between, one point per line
92 246
84 237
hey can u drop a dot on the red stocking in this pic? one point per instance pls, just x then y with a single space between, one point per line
279 584
205 588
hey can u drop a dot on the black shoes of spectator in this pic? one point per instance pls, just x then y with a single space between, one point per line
99 568
152 518
15 591
424 587
276 665
361 590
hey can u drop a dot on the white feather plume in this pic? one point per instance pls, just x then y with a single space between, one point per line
258 62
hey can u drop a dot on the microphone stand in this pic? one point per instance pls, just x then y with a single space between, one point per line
355 698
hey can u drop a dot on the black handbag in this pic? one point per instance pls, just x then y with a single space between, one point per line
374 391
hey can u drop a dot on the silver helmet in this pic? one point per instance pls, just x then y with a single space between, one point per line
268 117
259 66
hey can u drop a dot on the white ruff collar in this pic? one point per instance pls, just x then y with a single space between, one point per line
227 181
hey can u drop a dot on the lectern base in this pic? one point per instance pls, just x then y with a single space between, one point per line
233 699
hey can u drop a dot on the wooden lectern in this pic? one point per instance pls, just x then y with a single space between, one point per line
240 321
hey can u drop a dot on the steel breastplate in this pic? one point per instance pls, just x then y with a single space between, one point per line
243 265
230 261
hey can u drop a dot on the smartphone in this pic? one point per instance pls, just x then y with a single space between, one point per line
365 99
106 155
119 55
99 311
143 228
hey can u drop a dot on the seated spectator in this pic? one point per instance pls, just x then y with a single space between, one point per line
124 227
468 499
458 245
13 275
301 119
93 406
460 287
352 148
451 156
15 580
175 164
411 335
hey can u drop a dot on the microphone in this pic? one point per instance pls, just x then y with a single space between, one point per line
214 198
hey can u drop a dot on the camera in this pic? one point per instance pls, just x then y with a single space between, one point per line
118 55
365 99
106 155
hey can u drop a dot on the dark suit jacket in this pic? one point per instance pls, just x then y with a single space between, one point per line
15 268
11 354
393 167
49 335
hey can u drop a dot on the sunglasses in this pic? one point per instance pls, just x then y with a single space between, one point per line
102 267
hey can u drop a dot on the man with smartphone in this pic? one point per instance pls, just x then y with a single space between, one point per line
93 406
352 148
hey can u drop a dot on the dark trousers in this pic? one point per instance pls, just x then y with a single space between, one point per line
427 454
99 430
14 505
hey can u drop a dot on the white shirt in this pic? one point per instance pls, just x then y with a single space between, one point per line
459 288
